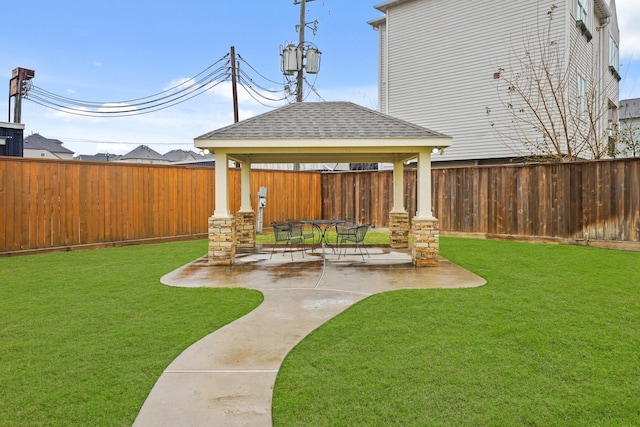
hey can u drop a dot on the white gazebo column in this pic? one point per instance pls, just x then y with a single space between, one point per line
246 217
222 239
398 217
424 228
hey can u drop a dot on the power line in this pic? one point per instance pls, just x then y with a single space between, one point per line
131 101
215 74
131 110
92 141
250 66
118 104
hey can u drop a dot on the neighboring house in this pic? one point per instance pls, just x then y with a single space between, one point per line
99 157
441 62
11 139
629 128
143 154
174 156
204 159
36 145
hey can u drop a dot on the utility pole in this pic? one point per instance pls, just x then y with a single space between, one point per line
303 23
234 85
17 89
234 90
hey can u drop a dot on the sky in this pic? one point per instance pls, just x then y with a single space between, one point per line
121 50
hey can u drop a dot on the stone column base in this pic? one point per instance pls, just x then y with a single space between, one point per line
246 230
399 229
426 242
222 241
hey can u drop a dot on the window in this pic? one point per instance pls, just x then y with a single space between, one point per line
582 18
582 12
581 94
614 59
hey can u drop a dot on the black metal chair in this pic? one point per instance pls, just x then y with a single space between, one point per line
307 231
289 234
345 228
355 235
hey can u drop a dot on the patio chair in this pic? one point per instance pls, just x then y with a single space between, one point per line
287 233
307 231
344 228
355 235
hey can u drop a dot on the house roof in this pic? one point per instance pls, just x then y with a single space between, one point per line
629 109
38 142
99 157
180 155
384 6
142 152
320 132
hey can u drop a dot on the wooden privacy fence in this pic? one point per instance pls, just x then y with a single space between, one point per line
50 204
597 200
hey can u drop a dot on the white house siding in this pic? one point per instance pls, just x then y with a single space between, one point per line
611 84
592 62
44 154
441 59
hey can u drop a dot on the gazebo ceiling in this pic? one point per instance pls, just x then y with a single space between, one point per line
321 132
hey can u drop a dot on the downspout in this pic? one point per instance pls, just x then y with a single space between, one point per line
386 63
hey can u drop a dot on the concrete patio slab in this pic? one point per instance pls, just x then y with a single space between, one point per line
227 378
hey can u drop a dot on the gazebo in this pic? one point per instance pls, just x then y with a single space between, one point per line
323 132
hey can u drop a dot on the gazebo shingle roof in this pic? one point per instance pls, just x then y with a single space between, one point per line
321 120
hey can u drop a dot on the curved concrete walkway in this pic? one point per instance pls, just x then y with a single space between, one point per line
227 378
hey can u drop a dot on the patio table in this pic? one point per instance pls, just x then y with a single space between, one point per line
322 225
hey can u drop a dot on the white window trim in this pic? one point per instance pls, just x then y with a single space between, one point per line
582 11
581 94
614 53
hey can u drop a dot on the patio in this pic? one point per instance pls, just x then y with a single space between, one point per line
227 378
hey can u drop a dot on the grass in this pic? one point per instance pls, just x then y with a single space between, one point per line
552 339
85 335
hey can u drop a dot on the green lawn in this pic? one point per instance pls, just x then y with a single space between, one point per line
85 335
553 339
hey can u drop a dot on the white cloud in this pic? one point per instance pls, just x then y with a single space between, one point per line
628 19
97 63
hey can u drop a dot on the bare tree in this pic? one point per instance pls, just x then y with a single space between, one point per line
547 111
628 131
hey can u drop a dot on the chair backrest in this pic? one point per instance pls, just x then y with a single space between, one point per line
348 224
296 230
281 231
361 232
